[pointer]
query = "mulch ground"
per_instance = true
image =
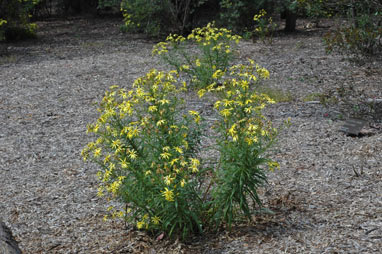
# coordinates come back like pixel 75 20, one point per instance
pixel 326 198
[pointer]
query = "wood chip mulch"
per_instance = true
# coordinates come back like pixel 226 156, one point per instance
pixel 326 198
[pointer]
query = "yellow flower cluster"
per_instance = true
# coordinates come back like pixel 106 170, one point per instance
pixel 261 14
pixel 2 22
pixel 208 34
pixel 219 38
pixel 250 71
pixel 250 125
pixel 238 76
pixel 145 222
pixel 168 194
pixel 160 48
pixel 240 105
pixel 132 126
pixel 127 18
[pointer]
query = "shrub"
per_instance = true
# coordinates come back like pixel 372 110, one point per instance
pixel 14 16
pixel 362 39
pixel 237 15
pixel 264 27
pixel 215 49
pixel 149 150
pixel 158 17
pixel 102 4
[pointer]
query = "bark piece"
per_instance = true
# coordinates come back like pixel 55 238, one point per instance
pixel 8 244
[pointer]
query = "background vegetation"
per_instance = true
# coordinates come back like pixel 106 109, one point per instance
pixel 359 34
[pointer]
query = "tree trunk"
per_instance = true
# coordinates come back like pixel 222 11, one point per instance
pixel 290 21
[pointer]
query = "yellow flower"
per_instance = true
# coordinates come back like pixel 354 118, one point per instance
pixel 132 154
pixel 164 101
pixel 111 166
pixel 197 62
pixel 232 130
pixel 201 93
pixel 185 143
pixel 217 74
pixel 194 161
pixel 106 175
pixel 227 102
pixel 194 165
pixel 196 116
pixel 100 191
pixel 97 152
pixel 115 186
pixel 252 127
pixel 248 109
pixel 264 73
pixel 140 224
pixel 225 112
pixel 174 161
pixel 124 163
pixel 165 155
pixel 91 145
pixel 99 140
pixel 85 153
pixel 183 163
pixel 182 182
pixel 194 169
pixel 120 214
pixel 217 105
pixel 161 122
pixel 116 143
pixel 153 108
pixel 180 38
pixel 244 84
pixel 133 132
pixel 168 180
pixel 211 87
pixel 168 194
pixel 273 164
pixel 155 220
pixel 178 149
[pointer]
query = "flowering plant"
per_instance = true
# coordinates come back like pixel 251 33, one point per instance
pixel 2 22
pixel 244 135
pixel 215 48
pixel 264 27
pixel 147 154
pixel 150 154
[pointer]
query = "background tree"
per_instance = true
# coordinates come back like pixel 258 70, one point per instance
pixel 15 19
pixel 238 15
pixel 159 17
